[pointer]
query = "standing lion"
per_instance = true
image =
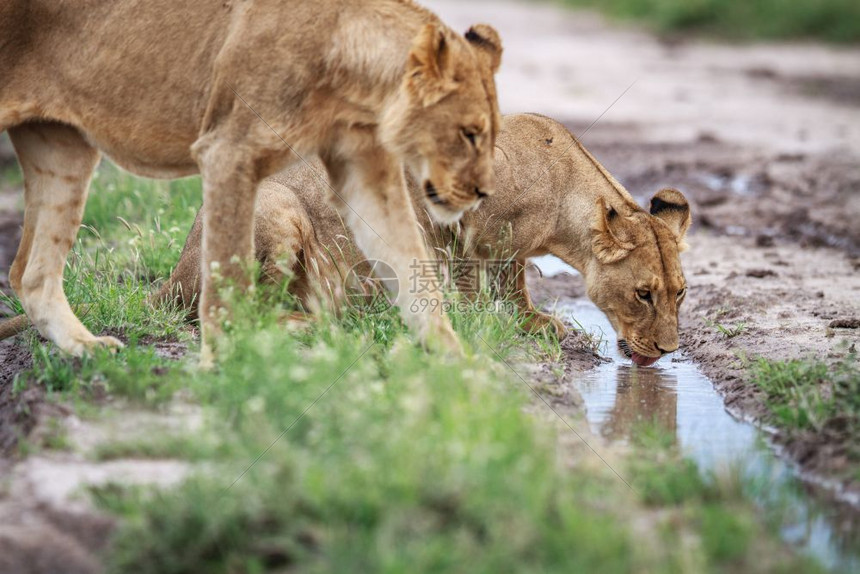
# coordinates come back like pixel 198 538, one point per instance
pixel 236 91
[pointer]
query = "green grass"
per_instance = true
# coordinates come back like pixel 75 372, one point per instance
pixel 344 447
pixel 394 460
pixel 149 219
pixel 136 372
pixel 108 279
pixel 828 20
pixel 811 396
pixel 731 534
pixel 406 464
pixel 161 446
pixel 727 331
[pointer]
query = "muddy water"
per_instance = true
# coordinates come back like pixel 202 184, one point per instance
pixel 619 397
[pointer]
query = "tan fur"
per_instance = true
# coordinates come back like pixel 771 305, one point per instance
pixel 237 91
pixel 13 326
pixel 565 212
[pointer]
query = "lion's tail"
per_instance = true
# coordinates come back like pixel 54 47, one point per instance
pixel 13 325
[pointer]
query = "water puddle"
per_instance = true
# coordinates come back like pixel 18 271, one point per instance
pixel 619 397
pixel 739 184
pixel 551 266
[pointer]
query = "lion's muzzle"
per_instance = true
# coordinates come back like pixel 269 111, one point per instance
pixel 433 194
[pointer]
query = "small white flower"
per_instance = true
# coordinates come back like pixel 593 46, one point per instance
pixel 325 353
pixel 255 405
pixel 299 373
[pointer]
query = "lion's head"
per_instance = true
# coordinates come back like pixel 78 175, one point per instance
pixel 635 276
pixel 445 119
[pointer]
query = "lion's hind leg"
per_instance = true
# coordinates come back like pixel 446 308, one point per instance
pixel 288 250
pixel 57 165
pixel 533 320
pixel 283 236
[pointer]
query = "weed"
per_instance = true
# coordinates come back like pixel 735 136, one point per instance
pixel 192 447
pixel 731 533
pixel 808 395
pixel 136 372
pixel 727 331
pixel 55 436
pixel 391 461
pixel 595 341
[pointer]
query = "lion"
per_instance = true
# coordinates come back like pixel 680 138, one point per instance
pixel 552 197
pixel 237 91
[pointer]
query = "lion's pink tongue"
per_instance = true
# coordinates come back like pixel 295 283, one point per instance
pixel 642 360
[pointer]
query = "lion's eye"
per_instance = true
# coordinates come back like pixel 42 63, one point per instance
pixel 469 134
pixel 682 292
pixel 643 294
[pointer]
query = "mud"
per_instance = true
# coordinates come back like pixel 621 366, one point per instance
pixel 767 195
pixel 786 315
pixel 48 523
pixel 618 398
pixel 775 247
pixel 18 411
pixel 783 314
pixel 840 89
pixel 40 540
pixel 765 142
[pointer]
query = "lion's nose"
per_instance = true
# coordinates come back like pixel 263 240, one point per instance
pixel 666 351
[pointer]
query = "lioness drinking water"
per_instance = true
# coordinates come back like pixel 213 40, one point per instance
pixel 576 211
pixel 552 197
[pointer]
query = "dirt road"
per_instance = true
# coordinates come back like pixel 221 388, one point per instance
pixel 764 141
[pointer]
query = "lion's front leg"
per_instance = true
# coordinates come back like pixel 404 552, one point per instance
pixel 229 192
pixel 533 320
pixel 376 207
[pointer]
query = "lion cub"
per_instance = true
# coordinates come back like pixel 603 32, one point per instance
pixel 576 211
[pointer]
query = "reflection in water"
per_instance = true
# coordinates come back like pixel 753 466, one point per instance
pixel 619 397
pixel 642 395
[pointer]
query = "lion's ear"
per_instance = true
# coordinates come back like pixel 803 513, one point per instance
pixel 487 40
pixel 430 55
pixel 429 64
pixel 611 240
pixel 671 206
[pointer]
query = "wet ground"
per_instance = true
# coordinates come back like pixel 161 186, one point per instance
pixel 764 140
pixel 620 398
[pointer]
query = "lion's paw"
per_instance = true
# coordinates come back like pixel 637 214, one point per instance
pixel 444 340
pixel 82 344
pixel 537 322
